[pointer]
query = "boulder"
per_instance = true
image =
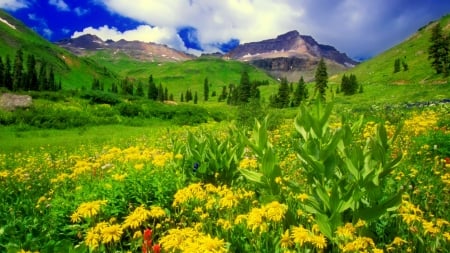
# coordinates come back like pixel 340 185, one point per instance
pixel 11 102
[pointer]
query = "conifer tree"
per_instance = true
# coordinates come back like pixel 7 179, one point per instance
pixel 321 78
pixel 2 70
pixel 300 92
pixel 18 71
pixel 7 74
pixel 51 80
pixel 397 65
pixel 166 93
pixel 160 93
pixel 244 88
pixel 32 79
pixel 42 76
pixel 140 90
pixel 195 98
pixel 439 50
pixel 182 98
pixel 224 94
pixel 206 89
pixel 281 100
pixel 152 90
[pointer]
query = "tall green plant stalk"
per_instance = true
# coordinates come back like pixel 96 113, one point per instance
pixel 347 180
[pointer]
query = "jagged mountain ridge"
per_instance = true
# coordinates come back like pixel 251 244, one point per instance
pixel 89 44
pixel 291 55
pixel 290 44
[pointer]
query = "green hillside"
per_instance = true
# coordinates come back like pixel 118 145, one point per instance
pixel 418 83
pixel 180 76
pixel 73 71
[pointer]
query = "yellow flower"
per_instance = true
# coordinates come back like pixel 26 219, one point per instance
pixel 136 218
pixel 275 211
pixel 286 241
pixel 302 197
pixel 224 223
pixel 137 235
pixel 347 231
pixel 139 166
pixel 319 241
pixel 300 235
pixel 157 212
pixel 88 210
pixel 111 233
pixel 178 156
pixel 398 241
pixel 119 177
pixel 92 239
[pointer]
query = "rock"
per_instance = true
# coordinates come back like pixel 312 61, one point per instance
pixel 11 102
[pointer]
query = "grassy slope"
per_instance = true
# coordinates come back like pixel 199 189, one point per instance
pixel 180 76
pixel 74 72
pixel 382 86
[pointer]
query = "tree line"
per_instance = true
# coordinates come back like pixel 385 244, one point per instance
pixel 27 75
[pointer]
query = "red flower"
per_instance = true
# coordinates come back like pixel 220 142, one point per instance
pixel 156 248
pixel 147 234
pixel 447 160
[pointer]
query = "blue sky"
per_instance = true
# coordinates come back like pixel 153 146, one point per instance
pixel 357 27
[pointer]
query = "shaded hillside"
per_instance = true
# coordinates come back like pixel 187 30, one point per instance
pixel 73 71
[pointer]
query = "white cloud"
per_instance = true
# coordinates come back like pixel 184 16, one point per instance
pixel 13 4
pixel 353 26
pixel 144 33
pixel 59 4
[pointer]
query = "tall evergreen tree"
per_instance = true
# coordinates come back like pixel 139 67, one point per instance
pixel 140 90
pixel 281 100
pixel 195 98
pixel 18 71
pixel 224 94
pixel 152 90
pixel 42 76
pixel 321 78
pixel 7 74
pixel 300 92
pixel 160 93
pixel 439 50
pixel 166 93
pixel 51 80
pixel 2 72
pixel 244 88
pixel 397 65
pixel 206 89
pixel 182 97
pixel 32 79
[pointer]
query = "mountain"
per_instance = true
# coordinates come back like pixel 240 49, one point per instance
pixel 291 55
pixel 74 72
pixel 90 44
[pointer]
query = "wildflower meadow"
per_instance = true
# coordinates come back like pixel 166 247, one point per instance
pixel 324 181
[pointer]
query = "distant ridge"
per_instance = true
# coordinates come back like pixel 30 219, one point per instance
pixel 89 44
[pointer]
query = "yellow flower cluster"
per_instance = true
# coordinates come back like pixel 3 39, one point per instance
pixel 192 241
pixel 421 122
pixel 104 233
pixel 303 236
pixel 87 210
pixel 248 163
pixel 210 195
pixel 258 219
pixel 350 241
pixel 413 217
pixel 141 214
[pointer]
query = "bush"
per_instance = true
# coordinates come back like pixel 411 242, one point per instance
pixel 100 97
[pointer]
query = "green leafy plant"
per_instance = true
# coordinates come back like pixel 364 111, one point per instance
pixel 348 180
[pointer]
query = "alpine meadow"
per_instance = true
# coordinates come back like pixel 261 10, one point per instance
pixel 136 147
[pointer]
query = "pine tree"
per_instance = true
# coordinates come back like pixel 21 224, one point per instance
pixel 18 71
pixel 7 74
pixel 224 94
pixel 439 50
pixel 397 65
pixel 182 98
pixel 152 90
pixel 281 100
pixel 244 88
pixel 2 70
pixel 321 78
pixel 160 93
pixel 140 90
pixel 31 76
pixel 51 80
pixel 114 88
pixel 166 94
pixel 206 89
pixel 300 92
pixel 42 76
pixel 195 98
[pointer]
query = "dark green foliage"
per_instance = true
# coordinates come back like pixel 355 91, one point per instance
pixel 140 90
pixel 281 100
pixel 349 84
pixel 397 65
pixel 127 87
pixel 206 89
pixel 321 78
pixel 405 65
pixel 96 84
pixel 7 74
pixel 2 70
pixel 195 98
pixel 160 93
pixel 100 97
pixel 244 89
pixel 224 94
pixel 300 92
pixel 114 88
pixel 152 90
pixel 129 109
pixel 18 71
pixel 32 79
pixel 182 98
pixel 439 50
